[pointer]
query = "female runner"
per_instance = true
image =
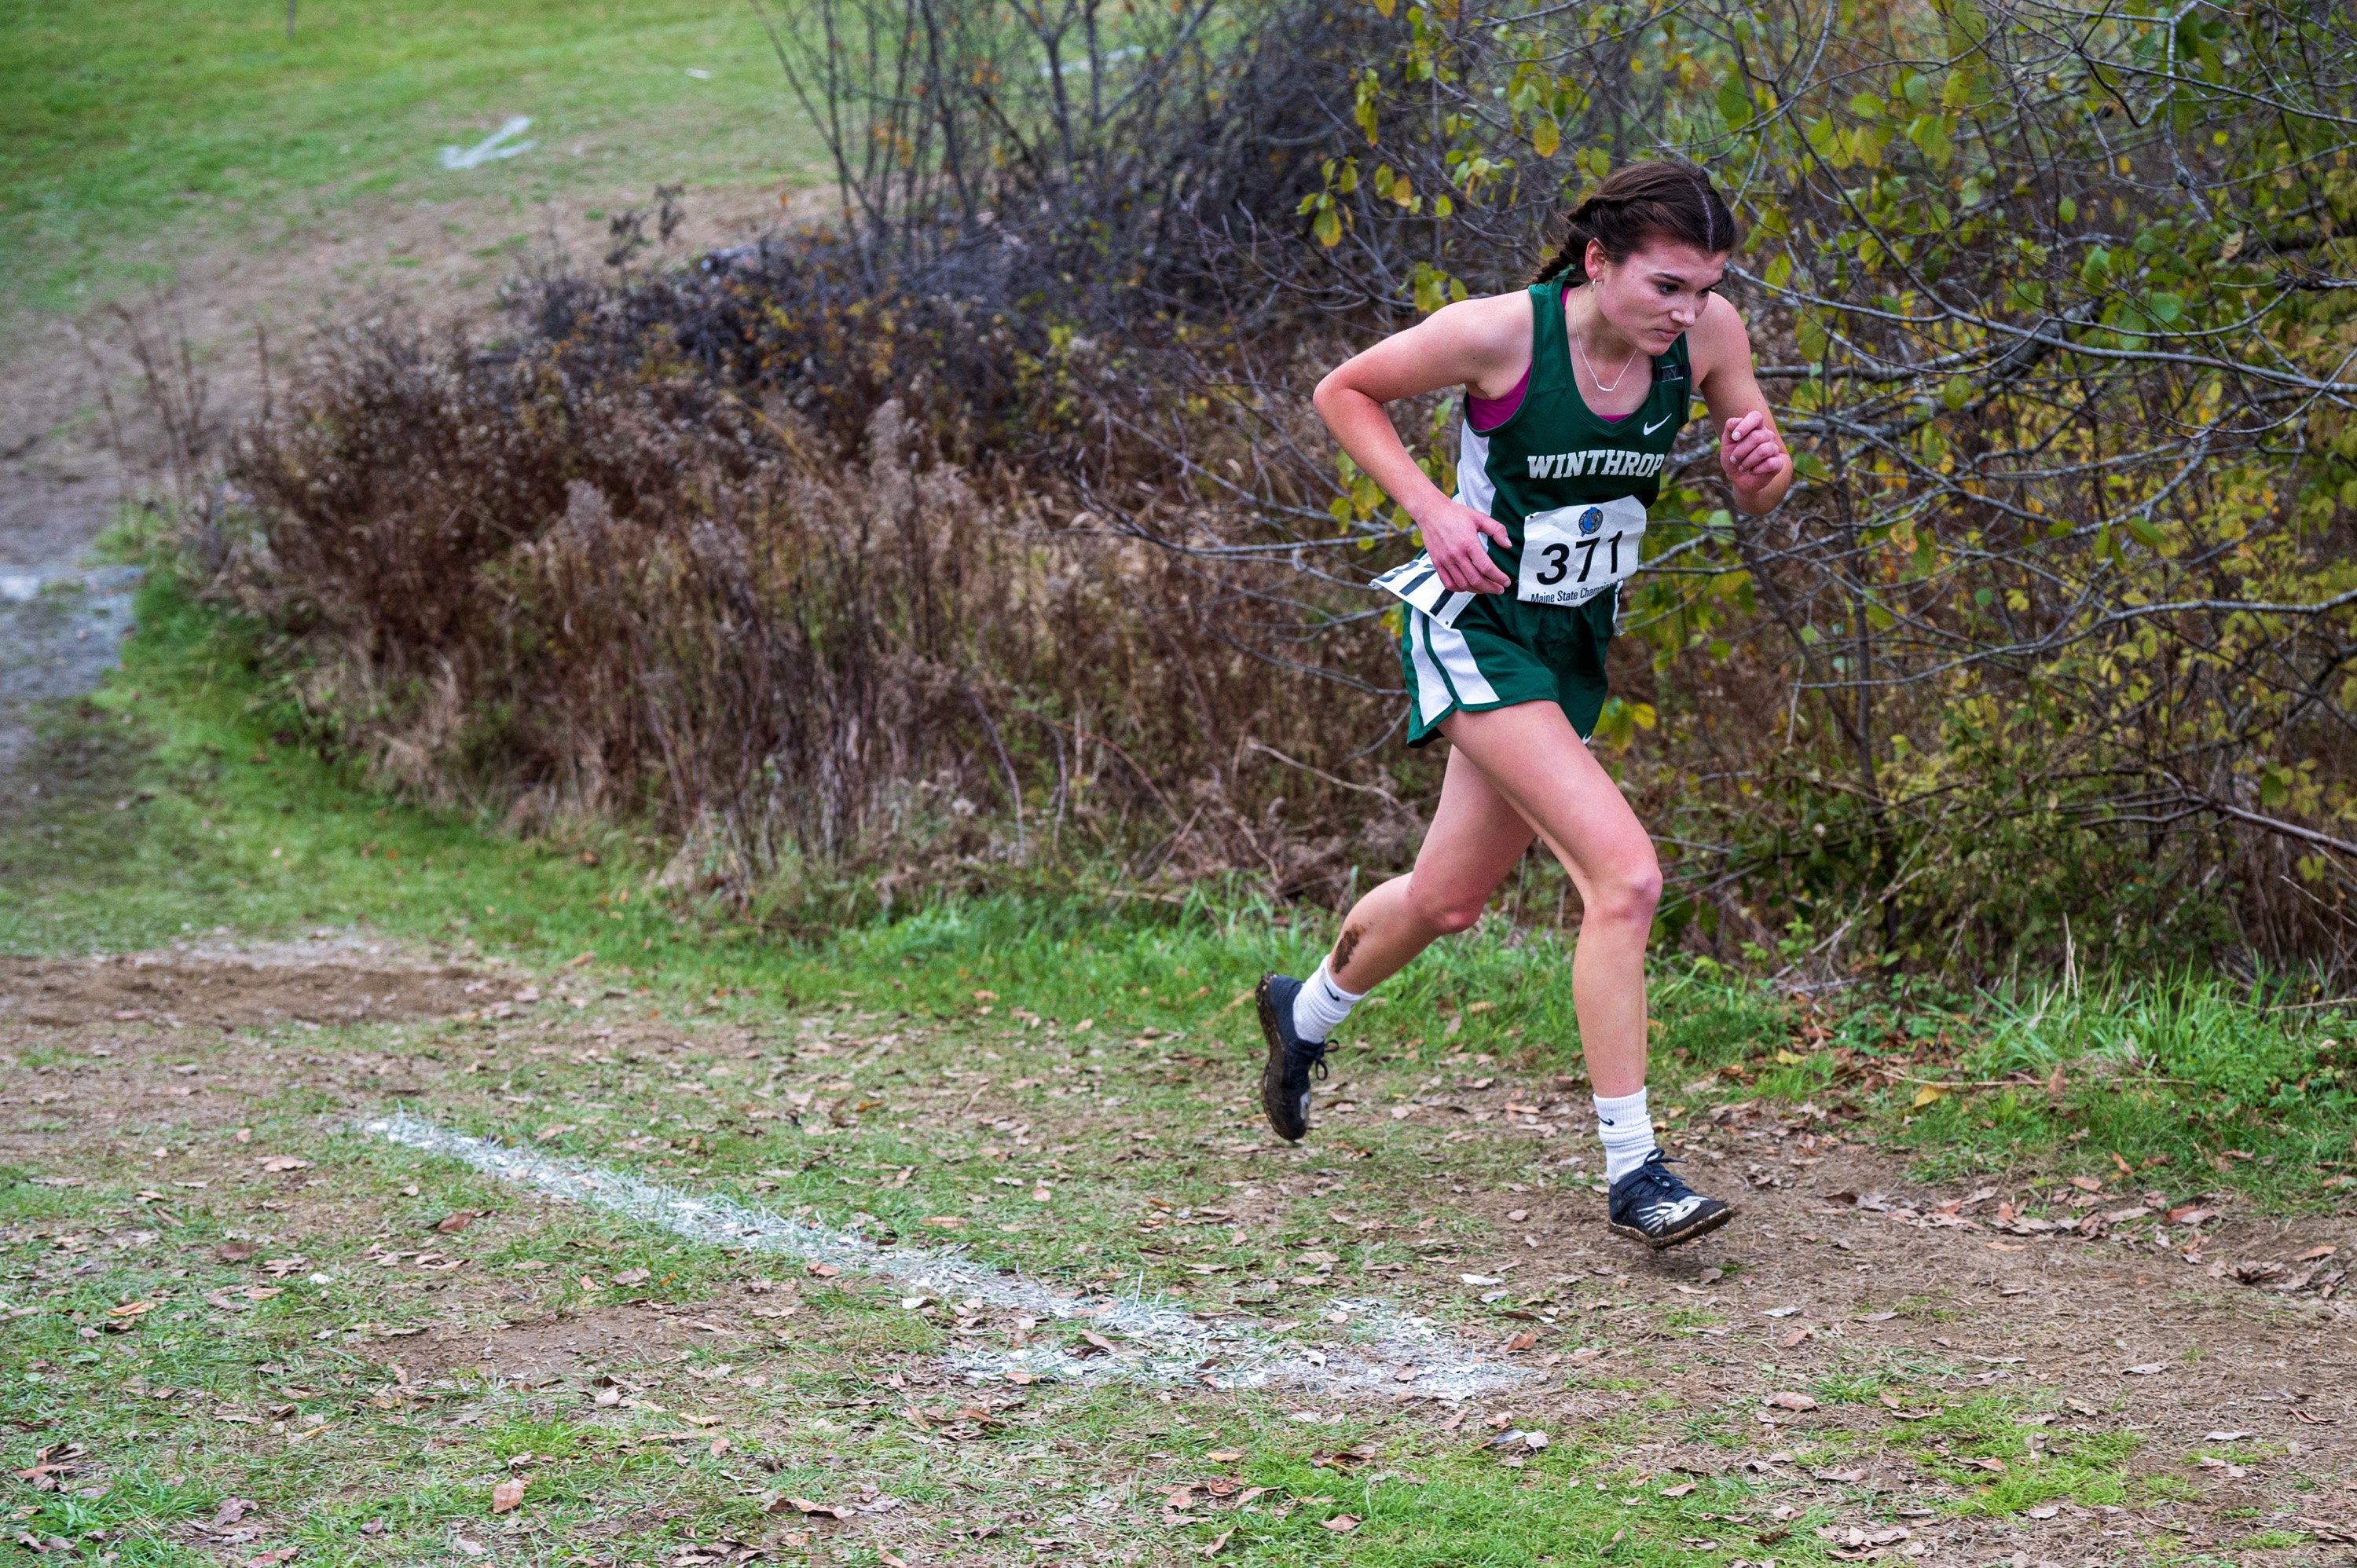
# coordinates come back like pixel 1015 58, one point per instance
pixel 1575 388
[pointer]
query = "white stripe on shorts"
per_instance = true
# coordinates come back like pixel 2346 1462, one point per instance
pixel 1431 691
pixel 1456 656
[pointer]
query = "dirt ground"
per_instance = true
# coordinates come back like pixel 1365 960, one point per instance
pixel 2243 1393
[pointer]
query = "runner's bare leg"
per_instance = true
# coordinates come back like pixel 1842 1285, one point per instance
pixel 1474 843
pixel 1511 770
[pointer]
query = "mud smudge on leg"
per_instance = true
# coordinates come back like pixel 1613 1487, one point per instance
pixel 1347 944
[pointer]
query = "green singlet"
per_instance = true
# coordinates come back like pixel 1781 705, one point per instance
pixel 1572 489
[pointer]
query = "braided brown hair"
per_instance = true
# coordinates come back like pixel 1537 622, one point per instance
pixel 1638 202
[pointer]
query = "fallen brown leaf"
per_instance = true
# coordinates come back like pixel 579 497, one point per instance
pixel 1789 1400
pixel 508 1494
pixel 452 1223
pixel 1343 1524
pixel 809 1509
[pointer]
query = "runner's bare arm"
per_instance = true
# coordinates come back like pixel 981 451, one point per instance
pixel 1484 344
pixel 1750 450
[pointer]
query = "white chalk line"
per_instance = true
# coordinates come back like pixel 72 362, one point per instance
pixel 1166 1342
pixel 490 148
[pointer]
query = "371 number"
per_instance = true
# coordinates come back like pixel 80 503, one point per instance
pixel 1558 559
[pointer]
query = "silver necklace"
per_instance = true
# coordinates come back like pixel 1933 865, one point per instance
pixel 1601 385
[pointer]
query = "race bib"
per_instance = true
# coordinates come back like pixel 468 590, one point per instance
pixel 1572 553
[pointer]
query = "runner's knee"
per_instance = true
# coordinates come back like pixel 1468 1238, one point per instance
pixel 1627 894
pixel 1444 910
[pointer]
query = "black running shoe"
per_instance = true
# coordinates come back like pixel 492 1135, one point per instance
pixel 1652 1205
pixel 1285 1077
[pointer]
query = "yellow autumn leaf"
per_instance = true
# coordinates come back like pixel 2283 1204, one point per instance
pixel 1789 1059
pixel 1932 1093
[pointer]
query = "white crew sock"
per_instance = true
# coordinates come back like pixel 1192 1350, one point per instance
pixel 1320 1005
pixel 1627 1130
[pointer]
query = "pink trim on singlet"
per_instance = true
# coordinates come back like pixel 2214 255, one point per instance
pixel 1489 413
pixel 1486 413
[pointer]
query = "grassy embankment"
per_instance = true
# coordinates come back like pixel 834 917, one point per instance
pixel 132 135
pixel 167 811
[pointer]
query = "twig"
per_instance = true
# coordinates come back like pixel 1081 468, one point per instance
pixel 1376 790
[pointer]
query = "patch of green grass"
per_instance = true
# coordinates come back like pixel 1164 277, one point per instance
pixel 2186 1080
pixel 127 129
pixel 137 1503
pixel 1708 1023
pixel 1928 1308
pixel 1852 1387
pixel 2035 1462
pixel 1719 1428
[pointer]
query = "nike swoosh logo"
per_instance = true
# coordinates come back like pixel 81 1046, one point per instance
pixel 1657 425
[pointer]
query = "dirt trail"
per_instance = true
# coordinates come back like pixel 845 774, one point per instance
pixel 1839 1268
